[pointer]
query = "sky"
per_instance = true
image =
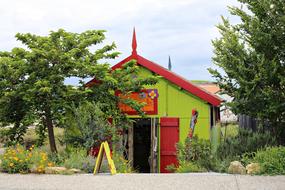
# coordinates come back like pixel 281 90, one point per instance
pixel 181 29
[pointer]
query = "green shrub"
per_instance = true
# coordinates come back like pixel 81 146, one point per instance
pixel 19 160
pixel 79 159
pixel 245 141
pixel 215 137
pixel 58 158
pixel 222 166
pixel 271 160
pixel 86 126
pixel 186 167
pixel 122 165
pixel 197 151
pixel 229 130
pixel 16 160
pixel 39 160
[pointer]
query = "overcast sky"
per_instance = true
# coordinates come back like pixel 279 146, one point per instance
pixel 182 29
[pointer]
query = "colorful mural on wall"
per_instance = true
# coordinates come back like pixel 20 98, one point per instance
pixel 148 97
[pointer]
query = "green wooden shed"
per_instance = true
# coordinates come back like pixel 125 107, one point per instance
pixel 169 106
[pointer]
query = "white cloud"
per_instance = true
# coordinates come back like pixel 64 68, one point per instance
pixel 182 29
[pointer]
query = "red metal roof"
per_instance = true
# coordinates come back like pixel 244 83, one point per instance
pixel 171 76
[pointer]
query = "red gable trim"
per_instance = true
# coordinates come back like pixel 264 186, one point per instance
pixel 172 77
pixel 180 81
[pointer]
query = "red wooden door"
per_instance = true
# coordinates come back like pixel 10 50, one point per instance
pixel 169 136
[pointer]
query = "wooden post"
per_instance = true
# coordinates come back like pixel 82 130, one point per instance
pixel 131 145
pixel 153 153
pixel 225 136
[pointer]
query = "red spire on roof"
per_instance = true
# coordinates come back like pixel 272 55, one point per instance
pixel 134 43
pixel 170 76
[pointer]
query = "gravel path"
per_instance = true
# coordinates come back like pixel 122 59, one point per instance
pixel 203 181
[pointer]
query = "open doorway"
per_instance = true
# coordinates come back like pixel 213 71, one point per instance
pixel 142 140
pixel 144 145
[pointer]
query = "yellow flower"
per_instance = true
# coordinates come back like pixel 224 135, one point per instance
pixel 11 164
pixel 16 158
pixel 50 164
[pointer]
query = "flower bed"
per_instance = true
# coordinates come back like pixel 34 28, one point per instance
pixel 19 160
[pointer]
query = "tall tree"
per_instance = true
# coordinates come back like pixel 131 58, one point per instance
pixel 251 55
pixel 14 109
pixel 36 77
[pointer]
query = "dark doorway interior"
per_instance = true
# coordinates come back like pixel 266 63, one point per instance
pixel 142 143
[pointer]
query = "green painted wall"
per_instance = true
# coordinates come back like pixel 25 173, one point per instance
pixel 175 102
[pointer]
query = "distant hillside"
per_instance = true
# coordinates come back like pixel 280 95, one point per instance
pixel 201 81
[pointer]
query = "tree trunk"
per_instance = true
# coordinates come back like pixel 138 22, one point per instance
pixel 49 125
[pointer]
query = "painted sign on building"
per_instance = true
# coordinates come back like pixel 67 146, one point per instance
pixel 148 97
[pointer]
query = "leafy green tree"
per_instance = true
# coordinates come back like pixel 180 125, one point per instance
pixel 86 126
pixel 14 109
pixel 98 117
pixel 41 69
pixel 251 58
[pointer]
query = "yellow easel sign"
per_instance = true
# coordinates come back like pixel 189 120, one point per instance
pixel 104 148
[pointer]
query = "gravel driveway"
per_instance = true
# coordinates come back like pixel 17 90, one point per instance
pixel 203 181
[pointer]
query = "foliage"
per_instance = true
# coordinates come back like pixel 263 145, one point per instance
pixel 39 160
pixel 32 137
pixel 3 135
pixel 195 152
pixel 222 165
pixel 230 130
pixel 124 80
pixel 215 137
pixel 32 84
pixel 271 159
pixel 13 108
pixel 41 131
pixel 251 57
pixel 245 141
pixel 19 160
pixel 122 165
pixel 78 158
pixel 58 158
pixel 186 167
pixel 16 160
pixel 87 126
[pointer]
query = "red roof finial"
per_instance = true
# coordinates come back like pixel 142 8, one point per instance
pixel 134 42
